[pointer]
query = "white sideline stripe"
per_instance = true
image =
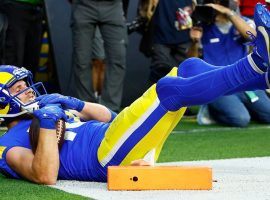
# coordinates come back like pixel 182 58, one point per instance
pixel 127 134
pixel 253 65
pixel 218 129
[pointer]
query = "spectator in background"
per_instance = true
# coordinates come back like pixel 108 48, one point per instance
pixel 165 29
pixel 109 17
pixel 24 32
pixel 143 23
pixel 171 26
pixel 223 44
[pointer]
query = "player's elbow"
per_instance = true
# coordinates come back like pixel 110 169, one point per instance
pixel 45 177
pixel 107 118
pixel 50 182
pixel 46 180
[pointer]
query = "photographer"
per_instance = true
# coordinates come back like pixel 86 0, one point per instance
pixel 222 33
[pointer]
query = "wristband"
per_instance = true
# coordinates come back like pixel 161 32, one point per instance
pixel 49 115
pixel 113 115
pixel 47 123
pixel 80 105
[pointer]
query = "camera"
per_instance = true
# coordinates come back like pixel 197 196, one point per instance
pixel 206 14
pixel 203 14
pixel 137 24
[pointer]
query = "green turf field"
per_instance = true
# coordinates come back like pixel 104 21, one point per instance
pixel 188 141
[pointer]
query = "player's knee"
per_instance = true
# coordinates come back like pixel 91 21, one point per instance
pixel 168 93
pixel 189 62
pixel 185 68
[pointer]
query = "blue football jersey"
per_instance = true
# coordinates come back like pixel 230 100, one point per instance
pixel 78 155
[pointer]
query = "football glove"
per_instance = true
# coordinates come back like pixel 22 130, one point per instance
pixel 65 101
pixel 49 115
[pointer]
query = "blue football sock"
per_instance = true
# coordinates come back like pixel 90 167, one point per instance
pixel 177 92
pixel 194 66
pixel 190 67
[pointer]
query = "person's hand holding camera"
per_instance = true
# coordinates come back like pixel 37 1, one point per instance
pixel 196 33
pixel 222 9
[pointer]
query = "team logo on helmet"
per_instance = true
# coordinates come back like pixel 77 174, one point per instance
pixel 20 72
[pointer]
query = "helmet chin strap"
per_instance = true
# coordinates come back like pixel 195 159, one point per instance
pixel 31 107
pixel 25 109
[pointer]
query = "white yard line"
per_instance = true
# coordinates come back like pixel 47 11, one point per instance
pixel 245 178
pixel 201 130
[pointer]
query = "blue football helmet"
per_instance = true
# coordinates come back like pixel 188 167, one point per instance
pixel 10 105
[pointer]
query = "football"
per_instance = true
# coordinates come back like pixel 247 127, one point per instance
pixel 34 133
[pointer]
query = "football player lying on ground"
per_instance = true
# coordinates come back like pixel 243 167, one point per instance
pixel 100 139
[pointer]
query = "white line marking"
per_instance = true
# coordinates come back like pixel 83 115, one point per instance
pixel 219 129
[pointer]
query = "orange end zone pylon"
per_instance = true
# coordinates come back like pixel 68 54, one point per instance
pixel 159 178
